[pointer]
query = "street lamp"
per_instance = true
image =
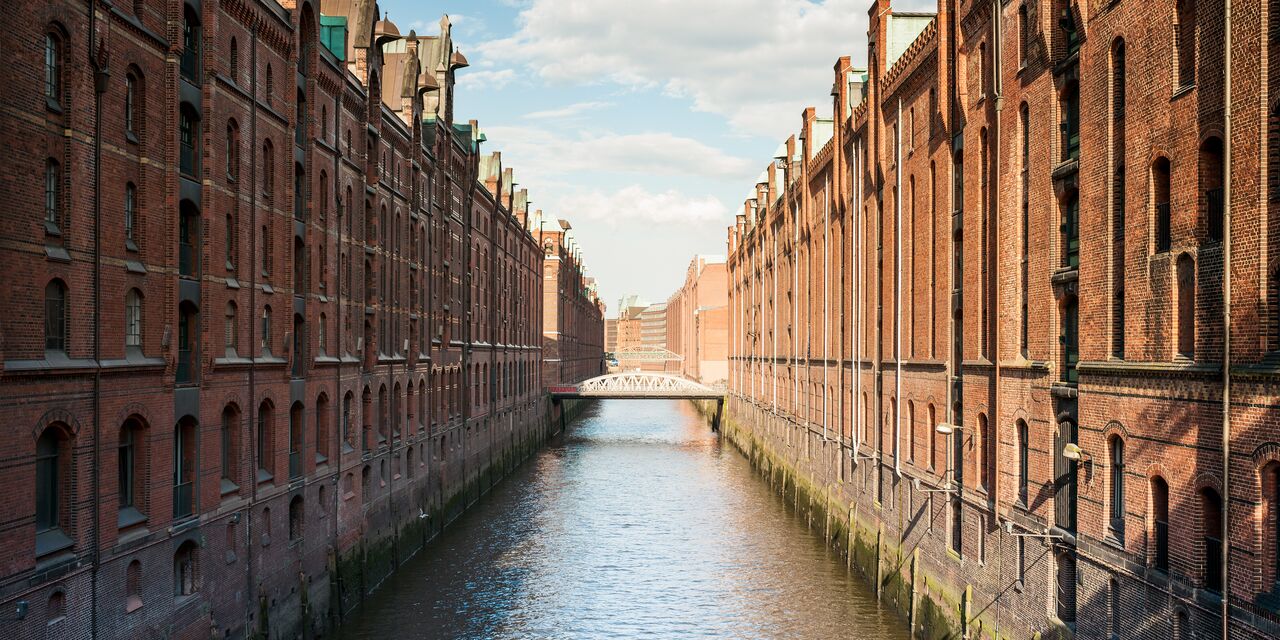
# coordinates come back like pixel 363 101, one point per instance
pixel 1009 526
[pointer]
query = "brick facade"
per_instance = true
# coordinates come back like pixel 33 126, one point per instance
pixel 573 325
pixel 698 322
pixel 273 316
pixel 1016 225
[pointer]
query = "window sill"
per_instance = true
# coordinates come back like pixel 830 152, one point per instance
pixel 264 476
pixel 1182 91
pixel 228 487
pixel 128 517
pixel 49 543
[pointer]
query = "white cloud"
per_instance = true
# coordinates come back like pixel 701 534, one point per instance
pixel 635 204
pixel 574 109
pixel 485 79
pixel 729 57
pixel 555 154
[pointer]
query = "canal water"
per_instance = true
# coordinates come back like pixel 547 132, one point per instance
pixel 637 523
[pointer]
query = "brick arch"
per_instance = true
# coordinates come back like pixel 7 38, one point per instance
pixel 1206 480
pixel 52 416
pixel 1265 453
pixel 1115 427
pixel 134 409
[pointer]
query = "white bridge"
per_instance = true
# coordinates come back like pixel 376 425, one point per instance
pixel 646 353
pixel 637 385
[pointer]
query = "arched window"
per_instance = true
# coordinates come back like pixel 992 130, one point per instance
pixel 296 425
pixel 1186 302
pixel 1211 525
pixel 133 587
pixel 299 346
pixel 230 449
pixel 1185 42
pixel 299 266
pixel 52 196
pixel 1160 188
pixel 185 582
pixel 295 518
pixel 383 419
pixel 56 610
pixel 130 216
pixel 188 136
pixel 1212 171
pixel 1160 524
pixel 188 331
pixel 266 441
pixel 986 454
pixel 130 456
pixel 1116 451
pixel 132 82
pixel 266 330
pixel 1024 463
pixel 53 68
pixel 184 468
pixel 930 429
pixel 366 419
pixel 233 151
pixel 1070 339
pixel 270 82
pixel 1116 607
pixel 268 169
pixel 52 460
pixel 55 317
pixel 911 431
pixel 190 62
pixel 299 193
pixel 348 438
pixel 1065 568
pixel 320 336
pixel 133 320
pixel 233 61
pixel 322 429
pixel 232 332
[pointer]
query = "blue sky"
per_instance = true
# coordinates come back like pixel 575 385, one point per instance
pixel 642 122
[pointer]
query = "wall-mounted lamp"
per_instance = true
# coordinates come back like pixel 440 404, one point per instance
pixel 947 429
pixel 1072 451
pixel 919 486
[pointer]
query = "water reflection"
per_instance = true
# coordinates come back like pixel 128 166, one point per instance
pixel 637 524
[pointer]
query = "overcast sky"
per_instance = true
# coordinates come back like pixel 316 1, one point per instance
pixel 642 122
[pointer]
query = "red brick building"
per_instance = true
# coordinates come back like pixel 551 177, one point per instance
pixel 572 312
pixel 698 322
pixel 1015 227
pixel 273 316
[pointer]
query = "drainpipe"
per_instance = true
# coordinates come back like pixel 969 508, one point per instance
pixel 897 295
pixel 774 273
pixel 101 73
pixel 826 296
pixel 253 310
pixel 1226 338
pixel 338 437
pixel 993 299
pixel 795 308
pixel 855 235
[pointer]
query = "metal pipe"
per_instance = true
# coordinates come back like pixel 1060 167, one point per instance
pixel 1226 323
pixel 897 293
pixel 101 73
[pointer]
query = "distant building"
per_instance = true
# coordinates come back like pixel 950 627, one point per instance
pixel 572 313
pixel 610 335
pixel 697 321
pixel 653 333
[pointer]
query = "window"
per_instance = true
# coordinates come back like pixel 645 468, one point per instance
pixel 322 429
pixel 56 610
pixel 266 251
pixel 127 478
pixel 299 346
pixel 347 437
pixel 1186 306
pixel 986 454
pixel 296 423
pixel 1211 181
pixel 233 151
pixel 51 450
pixel 233 64
pixel 1024 463
pixel 190 62
pixel 295 519
pixel 268 170
pixel 184 570
pixel 930 429
pixel 184 468
pixel 270 83
pixel 299 267
pixel 1070 106
pixel 53 69
pixel 1118 221
pixel 231 243
pixel 320 337
pixel 1160 187
pixel 188 239
pixel 188 329
pixel 130 101
pixel 230 449
pixel 1070 35
pixel 1022 36
pixel 1185 42
pixel 1116 450
pixel 1070 340
pixel 1211 523
pixel 1159 553
pixel 52 196
pixel 265 448
pixel 232 337
pixel 188 130
pixel 55 317
pixel 133 587
pixel 133 319
pixel 266 330
pixel 911 431
pixel 130 215
pixel 1065 566
pixel 1071 231
pixel 299 192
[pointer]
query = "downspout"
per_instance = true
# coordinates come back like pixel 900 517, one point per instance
pixel 826 296
pixel 774 273
pixel 101 73
pixel 855 239
pixel 339 436
pixel 992 286
pixel 897 294
pixel 1226 338
pixel 253 309
pixel 795 309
